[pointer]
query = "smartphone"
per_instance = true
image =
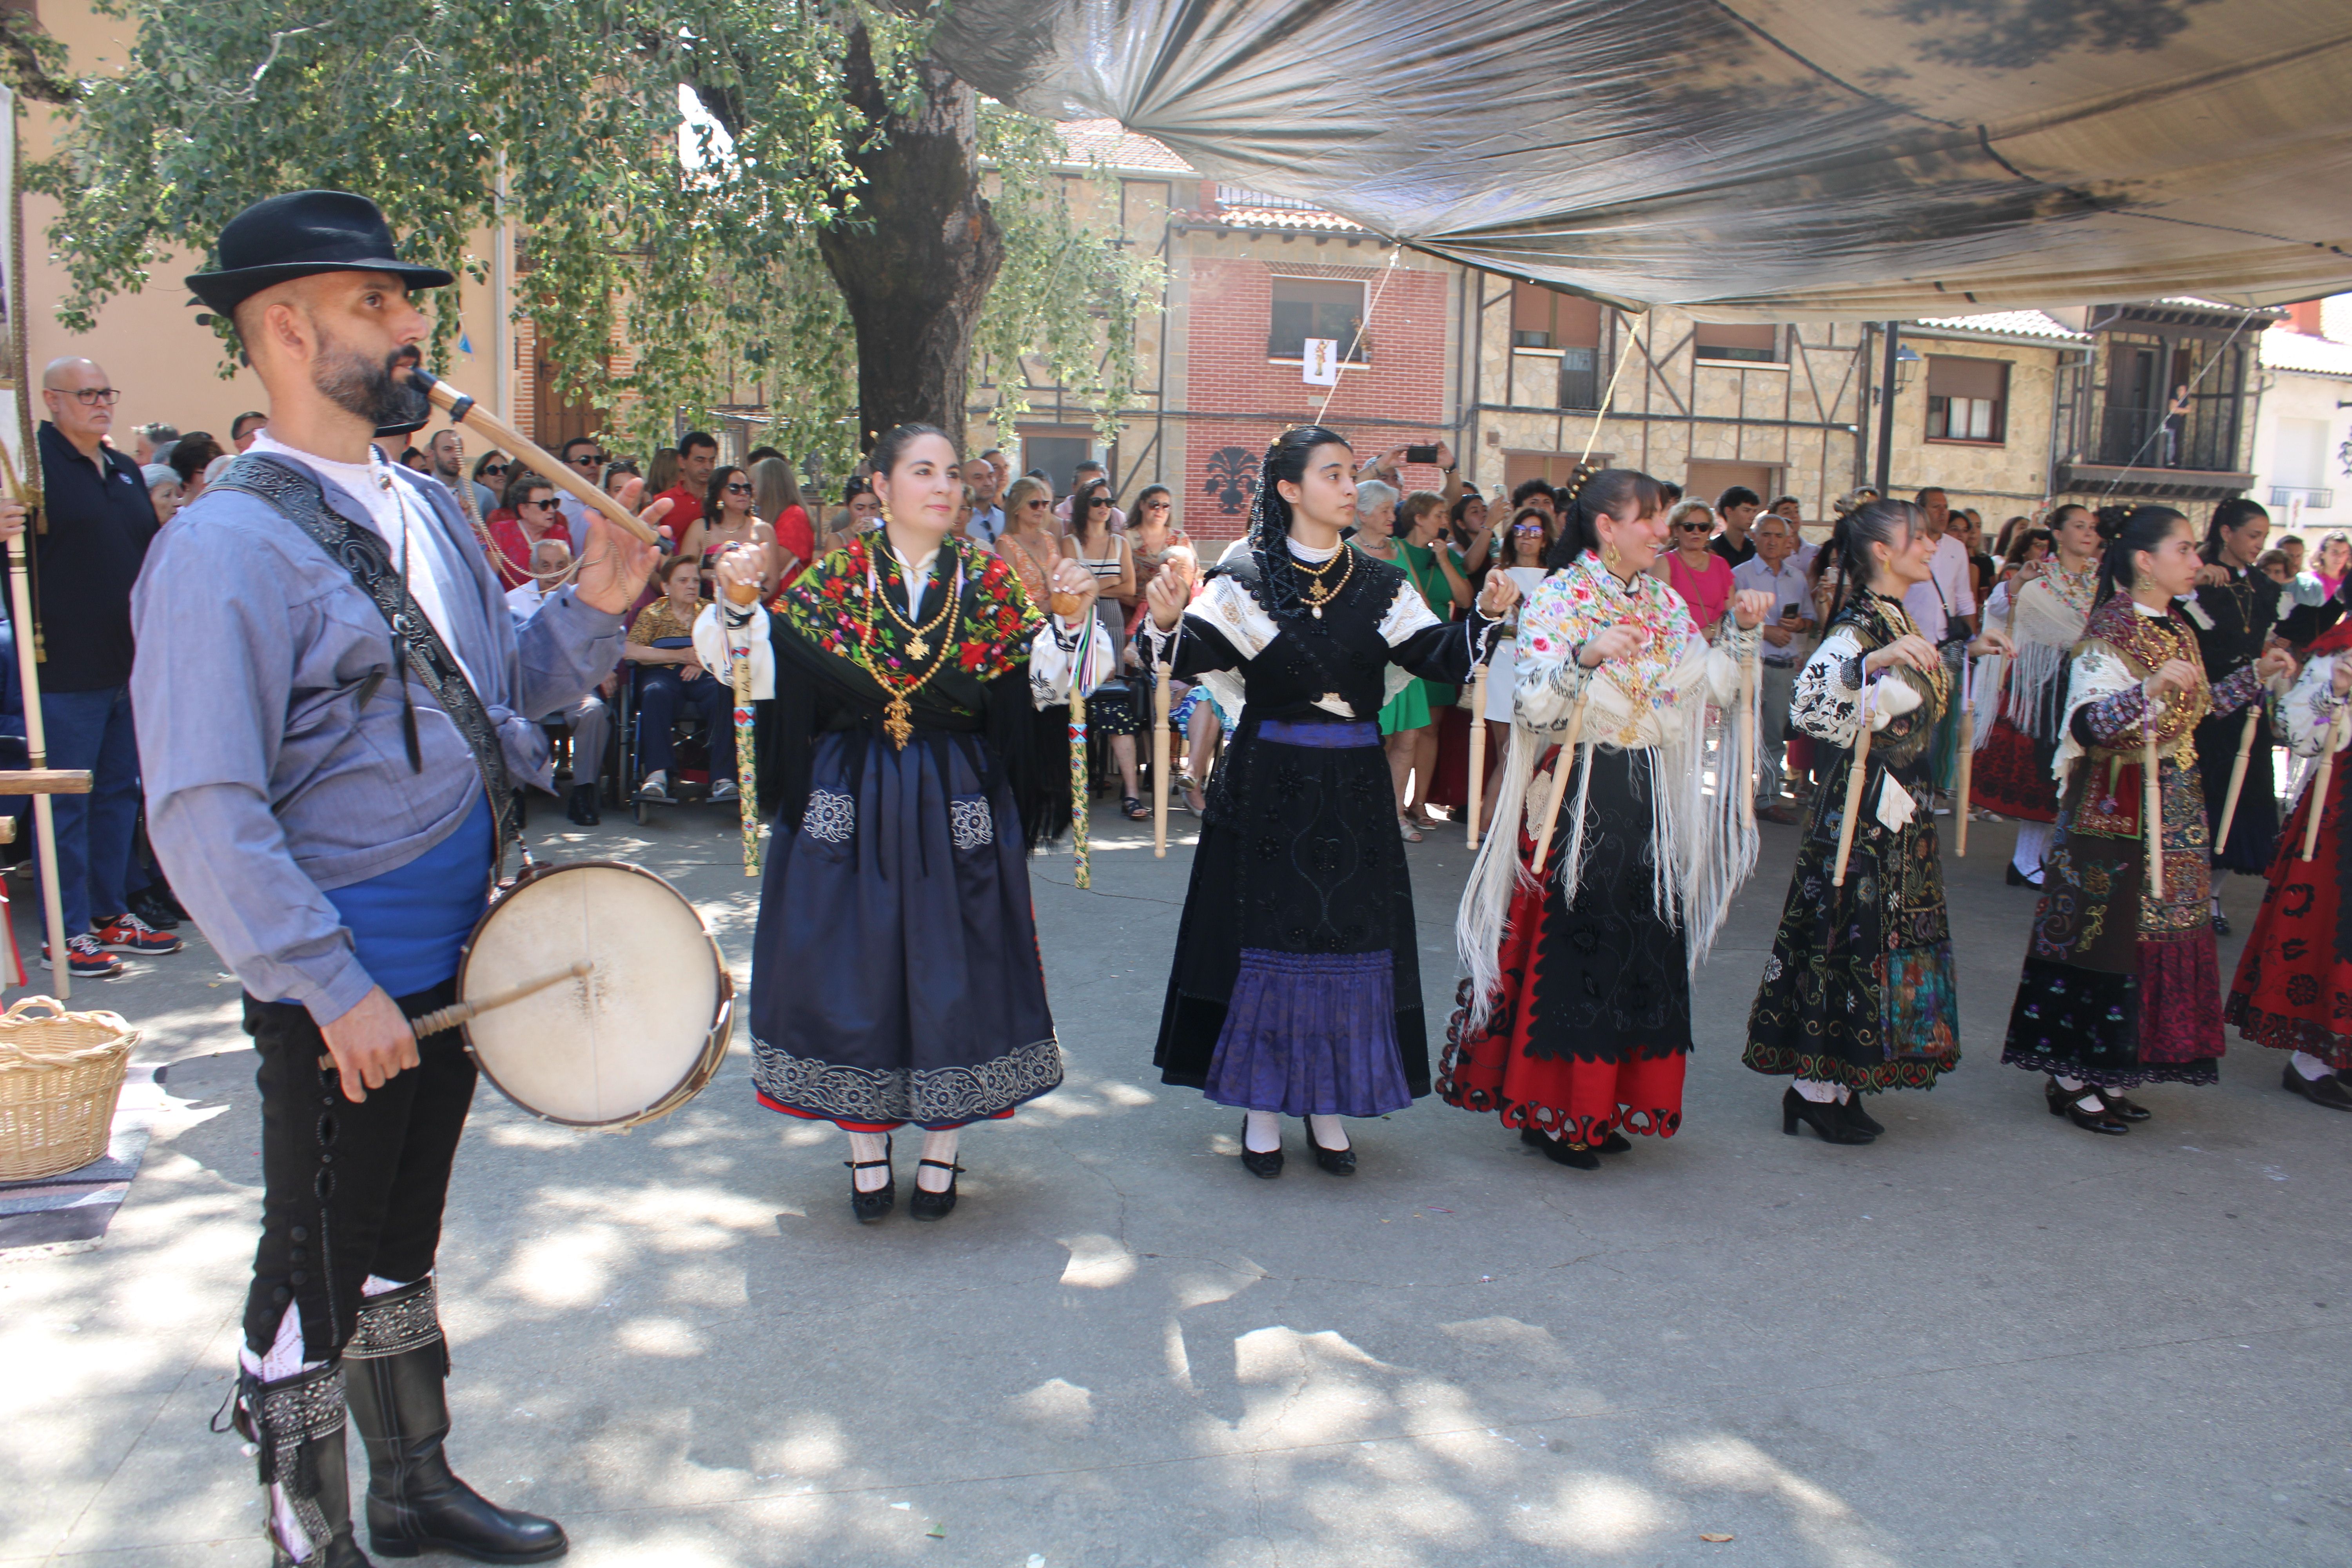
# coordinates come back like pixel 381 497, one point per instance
pixel 1421 454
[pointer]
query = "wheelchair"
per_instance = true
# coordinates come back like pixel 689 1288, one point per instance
pixel 691 746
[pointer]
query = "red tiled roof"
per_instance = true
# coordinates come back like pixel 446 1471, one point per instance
pixel 1270 217
pixel 1109 142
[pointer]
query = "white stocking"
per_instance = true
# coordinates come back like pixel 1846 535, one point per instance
pixel 865 1147
pixel 939 1146
pixel 2032 841
pixel 2311 1067
pixel 1261 1131
pixel 1818 1092
pixel 1327 1132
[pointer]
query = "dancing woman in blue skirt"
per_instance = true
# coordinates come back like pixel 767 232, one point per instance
pixel 895 974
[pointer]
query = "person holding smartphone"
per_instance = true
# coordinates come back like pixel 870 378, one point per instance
pixel 1773 570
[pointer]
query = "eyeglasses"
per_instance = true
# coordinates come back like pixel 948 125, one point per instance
pixel 89 396
pixel 590 460
pixel 550 504
pixel 1033 501
pixel 1696 527
pixel 1533 530
pixel 738 488
pixel 493 470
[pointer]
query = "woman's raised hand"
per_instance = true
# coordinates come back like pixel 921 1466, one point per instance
pixel 1750 606
pixel 1911 651
pixel 2172 677
pixel 1994 640
pixel 1501 593
pixel 1617 642
pixel 1169 592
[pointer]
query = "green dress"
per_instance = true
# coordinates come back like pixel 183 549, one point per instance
pixel 1415 705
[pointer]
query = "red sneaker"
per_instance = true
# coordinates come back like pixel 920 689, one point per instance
pixel 126 933
pixel 85 959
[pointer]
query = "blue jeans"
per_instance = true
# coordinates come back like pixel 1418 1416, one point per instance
pixel 93 729
pixel 660 696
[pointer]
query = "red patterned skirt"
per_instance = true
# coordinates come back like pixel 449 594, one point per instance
pixel 2292 991
pixel 2012 777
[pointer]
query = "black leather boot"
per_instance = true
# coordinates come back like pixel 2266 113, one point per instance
pixel 296 1423
pixel 582 806
pixel 394 1370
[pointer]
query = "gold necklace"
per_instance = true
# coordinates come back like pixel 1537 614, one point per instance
pixel 916 649
pixel 1315 594
pixel 897 707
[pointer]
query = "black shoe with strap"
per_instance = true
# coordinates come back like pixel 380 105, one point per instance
pixel 2067 1102
pixel 869 1207
pixel 396 1373
pixel 1559 1151
pixel 2121 1109
pixel 2330 1092
pixel 1266 1165
pixel 1825 1117
pixel 925 1204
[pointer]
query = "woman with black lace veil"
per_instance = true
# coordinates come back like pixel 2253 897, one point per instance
pixel 1857 997
pixel 1574 1026
pixel 1295 989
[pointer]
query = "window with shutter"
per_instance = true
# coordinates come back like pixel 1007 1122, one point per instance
pixel 1968 399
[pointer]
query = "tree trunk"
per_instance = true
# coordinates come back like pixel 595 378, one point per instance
pixel 915 260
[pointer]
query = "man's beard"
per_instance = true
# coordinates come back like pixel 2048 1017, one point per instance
pixel 366 388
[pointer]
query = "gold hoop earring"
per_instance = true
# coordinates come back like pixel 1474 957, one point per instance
pixel 1609 556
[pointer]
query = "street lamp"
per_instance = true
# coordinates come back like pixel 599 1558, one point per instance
pixel 1906 365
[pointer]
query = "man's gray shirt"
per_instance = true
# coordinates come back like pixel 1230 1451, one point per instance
pixel 267 779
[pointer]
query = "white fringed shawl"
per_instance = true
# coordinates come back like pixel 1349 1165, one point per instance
pixel 2045 623
pixel 1671 706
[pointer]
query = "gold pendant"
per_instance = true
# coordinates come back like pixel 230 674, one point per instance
pixel 897 722
pixel 917 649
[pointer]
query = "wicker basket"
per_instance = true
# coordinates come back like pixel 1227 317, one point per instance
pixel 60 1075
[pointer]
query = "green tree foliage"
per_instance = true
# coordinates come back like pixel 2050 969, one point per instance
pixel 667 162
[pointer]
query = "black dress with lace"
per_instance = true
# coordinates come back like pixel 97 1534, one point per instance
pixel 1297 980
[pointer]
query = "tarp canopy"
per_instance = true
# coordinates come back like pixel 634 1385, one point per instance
pixel 1759 159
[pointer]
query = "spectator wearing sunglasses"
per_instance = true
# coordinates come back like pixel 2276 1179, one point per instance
pixel 728 519
pixel 586 457
pixel 491 471
pixel 529 516
pixel 1694 571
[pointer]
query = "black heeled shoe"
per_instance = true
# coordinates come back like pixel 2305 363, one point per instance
pixel 1826 1119
pixel 1267 1165
pixel 1559 1151
pixel 867 1207
pixel 2220 923
pixel 2122 1109
pixel 1856 1117
pixel 1615 1143
pixel 1339 1162
pixel 925 1204
pixel 2062 1102
pixel 2017 878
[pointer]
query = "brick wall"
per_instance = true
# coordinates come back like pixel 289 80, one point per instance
pixel 1238 402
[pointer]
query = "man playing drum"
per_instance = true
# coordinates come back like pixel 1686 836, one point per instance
pixel 335 711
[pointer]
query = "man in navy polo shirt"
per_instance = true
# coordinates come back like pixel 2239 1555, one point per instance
pixel 99 522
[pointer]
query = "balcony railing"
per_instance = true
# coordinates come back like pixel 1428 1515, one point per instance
pixel 2287 495
pixel 2204 438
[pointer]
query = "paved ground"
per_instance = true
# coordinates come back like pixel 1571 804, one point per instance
pixel 1987 1339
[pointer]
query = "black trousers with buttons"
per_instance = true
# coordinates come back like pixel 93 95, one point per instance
pixel 348 1189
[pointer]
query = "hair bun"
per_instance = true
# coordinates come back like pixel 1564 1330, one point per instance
pixel 2111 521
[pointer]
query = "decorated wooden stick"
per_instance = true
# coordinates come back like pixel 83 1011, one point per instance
pixel 2151 802
pixel 1082 877
pixel 1968 757
pixel 2316 801
pixel 463 410
pixel 746 773
pixel 36 746
pixel 1750 669
pixel 2237 773
pixel 1477 748
pixel 1160 679
pixel 1559 771
pixel 1854 782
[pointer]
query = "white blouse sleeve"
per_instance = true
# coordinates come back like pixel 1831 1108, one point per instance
pixel 1547 682
pixel 1828 700
pixel 2311 704
pixel 1055 660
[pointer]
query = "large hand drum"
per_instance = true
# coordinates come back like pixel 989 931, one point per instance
pixel 633 1039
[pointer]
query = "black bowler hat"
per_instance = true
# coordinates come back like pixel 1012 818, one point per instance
pixel 301 232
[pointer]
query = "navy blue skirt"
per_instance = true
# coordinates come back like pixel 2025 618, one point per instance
pixel 895 974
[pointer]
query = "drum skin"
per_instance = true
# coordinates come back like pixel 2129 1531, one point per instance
pixel 631 1041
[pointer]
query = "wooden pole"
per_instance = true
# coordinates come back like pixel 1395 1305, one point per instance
pixel 36 746
pixel 2151 803
pixel 1967 755
pixel 2316 801
pixel 463 410
pixel 1477 748
pixel 1853 782
pixel 1559 771
pixel 1160 676
pixel 2237 773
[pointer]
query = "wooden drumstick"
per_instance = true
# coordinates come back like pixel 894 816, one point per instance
pixel 1853 782
pixel 2237 773
pixel 1559 771
pixel 1968 757
pixel 2316 802
pixel 463 410
pixel 1477 749
pixel 1160 679
pixel 457 1012
pixel 2151 802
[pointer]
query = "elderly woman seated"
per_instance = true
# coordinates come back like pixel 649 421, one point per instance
pixel 590 719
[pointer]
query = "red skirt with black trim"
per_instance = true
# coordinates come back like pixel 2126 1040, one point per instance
pixel 2010 776
pixel 2292 991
